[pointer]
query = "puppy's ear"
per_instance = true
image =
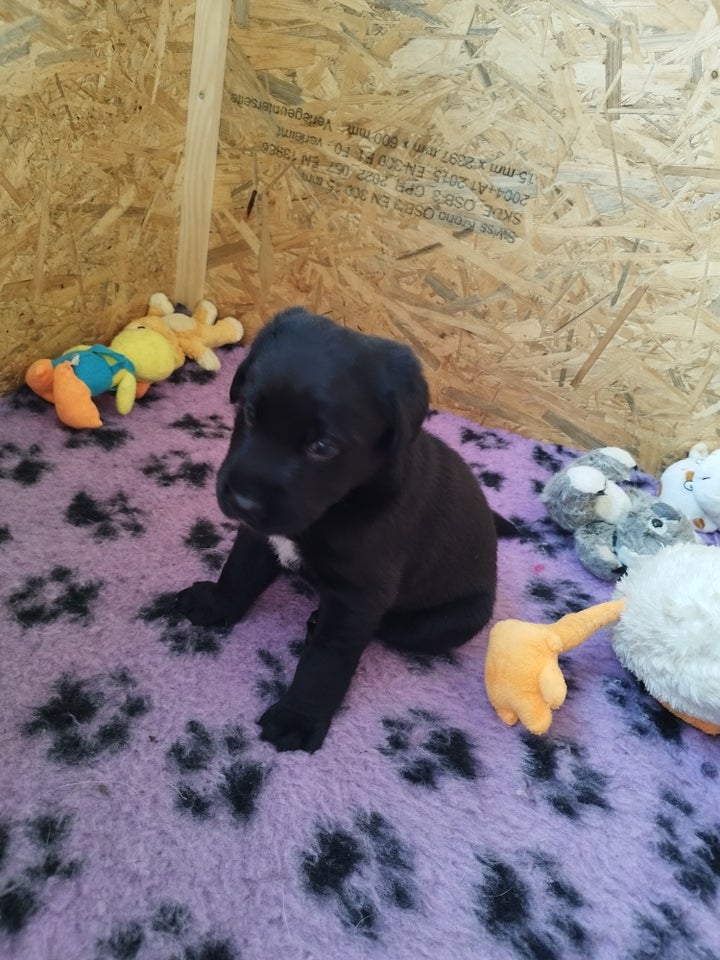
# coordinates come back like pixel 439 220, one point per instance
pixel 404 392
pixel 266 335
pixel 238 380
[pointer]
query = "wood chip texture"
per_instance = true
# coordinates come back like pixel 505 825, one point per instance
pixel 93 106
pixel 527 193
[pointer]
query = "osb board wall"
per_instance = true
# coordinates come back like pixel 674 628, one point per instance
pixel 93 97
pixel 526 192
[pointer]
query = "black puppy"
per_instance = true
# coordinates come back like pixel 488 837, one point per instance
pixel 328 467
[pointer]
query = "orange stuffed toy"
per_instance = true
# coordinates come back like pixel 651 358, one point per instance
pixel 666 618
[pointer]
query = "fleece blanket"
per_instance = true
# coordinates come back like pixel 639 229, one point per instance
pixel 141 818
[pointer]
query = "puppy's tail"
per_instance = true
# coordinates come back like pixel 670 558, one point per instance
pixel 505 528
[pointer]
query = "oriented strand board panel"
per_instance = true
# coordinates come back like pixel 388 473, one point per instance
pixel 526 192
pixel 93 102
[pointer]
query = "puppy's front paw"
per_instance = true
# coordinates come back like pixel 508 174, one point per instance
pixel 289 729
pixel 203 605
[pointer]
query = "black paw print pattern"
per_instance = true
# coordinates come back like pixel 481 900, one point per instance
pixel 107 519
pixel 22 465
pixel 191 373
pixel 33 860
pixel 216 772
pixel 86 718
pixel 211 541
pixel 106 439
pixel 25 399
pixel 425 750
pixel 529 906
pixel 569 783
pixel 552 459
pixel 277 672
pixel 177 633
pixel 176 466
pixel 274 683
pixel 643 715
pixel 365 872
pixel 167 932
pixel 691 849
pixel 490 479
pixel 558 597
pixel 212 427
pixel 58 594
pixel 423 663
pixel 661 930
pixel 709 770
pixel 545 536
pixel 483 439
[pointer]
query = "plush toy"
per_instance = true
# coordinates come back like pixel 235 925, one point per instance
pixel 666 613
pixel 146 350
pixel 136 357
pixel 649 525
pixel 587 489
pixel 692 486
pixel 611 526
pixel 196 335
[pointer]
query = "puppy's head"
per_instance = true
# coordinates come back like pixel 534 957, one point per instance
pixel 321 411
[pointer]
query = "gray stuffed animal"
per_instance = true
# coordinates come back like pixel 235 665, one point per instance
pixel 587 489
pixel 611 526
pixel 609 549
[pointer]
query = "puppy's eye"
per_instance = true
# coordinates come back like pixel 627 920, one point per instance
pixel 321 449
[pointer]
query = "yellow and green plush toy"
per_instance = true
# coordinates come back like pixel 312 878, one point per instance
pixel 135 358
pixel 145 351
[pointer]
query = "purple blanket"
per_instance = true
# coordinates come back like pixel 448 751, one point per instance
pixel 141 817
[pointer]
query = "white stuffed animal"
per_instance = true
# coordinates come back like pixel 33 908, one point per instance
pixel 692 486
pixel 666 616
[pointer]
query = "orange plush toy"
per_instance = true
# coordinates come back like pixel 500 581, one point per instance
pixel 146 350
pixel 666 618
pixel 196 335
pixel 522 676
pixel 136 357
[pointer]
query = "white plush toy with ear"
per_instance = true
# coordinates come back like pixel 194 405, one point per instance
pixel 692 486
pixel 666 616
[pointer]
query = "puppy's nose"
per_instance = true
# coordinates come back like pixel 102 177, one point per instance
pixel 249 509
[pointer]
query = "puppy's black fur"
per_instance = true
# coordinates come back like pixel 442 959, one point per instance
pixel 390 524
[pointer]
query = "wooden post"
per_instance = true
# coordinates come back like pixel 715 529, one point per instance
pixel 212 24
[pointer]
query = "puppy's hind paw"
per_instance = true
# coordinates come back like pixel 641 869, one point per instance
pixel 204 606
pixel 289 729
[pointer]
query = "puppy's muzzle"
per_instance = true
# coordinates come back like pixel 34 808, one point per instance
pixel 235 502
pixel 243 508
